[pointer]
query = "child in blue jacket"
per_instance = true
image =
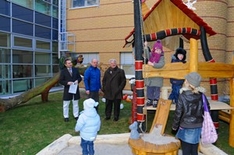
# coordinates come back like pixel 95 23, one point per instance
pixel 179 56
pixel 88 124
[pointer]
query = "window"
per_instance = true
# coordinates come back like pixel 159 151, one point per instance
pixel 84 3
pixel 23 42
pixel 42 32
pixel 4 40
pixel 87 57
pixel 127 63
pixel 4 7
pixel 22 13
pixel 20 56
pixel 22 27
pixel 42 58
pixel 5 23
pixel 25 3
pixel 42 45
pixel 5 56
pixel 43 7
pixel 42 19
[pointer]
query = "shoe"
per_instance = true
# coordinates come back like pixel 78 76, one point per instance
pixel 76 118
pixel 115 119
pixel 107 118
pixel 155 103
pixel 149 102
pixel 66 119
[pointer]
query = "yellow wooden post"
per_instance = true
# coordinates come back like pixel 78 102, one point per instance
pixel 231 123
pixel 193 55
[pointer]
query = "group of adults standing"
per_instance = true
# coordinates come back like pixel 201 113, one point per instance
pixel 111 85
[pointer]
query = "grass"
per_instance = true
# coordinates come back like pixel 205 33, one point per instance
pixel 27 129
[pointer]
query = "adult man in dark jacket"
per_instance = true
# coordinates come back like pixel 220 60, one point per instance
pixel 113 83
pixel 92 81
pixel 70 76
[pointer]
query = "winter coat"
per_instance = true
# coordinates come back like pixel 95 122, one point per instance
pixel 88 124
pixel 92 79
pixel 176 81
pixel 189 110
pixel 65 77
pixel 156 81
pixel 113 83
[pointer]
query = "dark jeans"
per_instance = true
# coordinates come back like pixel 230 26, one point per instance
pixel 95 96
pixel 87 147
pixel 189 149
pixel 153 92
pixel 108 109
pixel 174 96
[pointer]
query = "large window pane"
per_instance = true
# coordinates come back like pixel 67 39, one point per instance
pixel 5 56
pixel 43 70
pixel 19 71
pixel 21 85
pixel 55 23
pixel 55 11
pixel 55 35
pixel 42 58
pixel 43 32
pixel 55 59
pixel 22 13
pixel 43 45
pixel 55 47
pixel 55 68
pixel 5 8
pixel 43 7
pixel 40 81
pixel 22 27
pixel 4 40
pixel 25 3
pixel 5 87
pixel 55 2
pixel 5 71
pixel 20 56
pixel 5 23
pixel 43 19
pixel 22 42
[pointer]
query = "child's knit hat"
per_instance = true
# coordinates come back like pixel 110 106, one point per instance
pixel 89 103
pixel 180 51
pixel 158 44
pixel 194 79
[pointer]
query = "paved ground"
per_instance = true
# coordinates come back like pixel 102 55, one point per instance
pixel 100 149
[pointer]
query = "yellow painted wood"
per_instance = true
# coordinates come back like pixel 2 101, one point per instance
pixel 161 115
pixel 231 124
pixel 179 70
pixel 193 54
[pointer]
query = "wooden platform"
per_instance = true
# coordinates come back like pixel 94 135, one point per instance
pixel 214 105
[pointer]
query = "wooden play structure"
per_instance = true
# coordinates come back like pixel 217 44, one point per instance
pixel 179 22
pixel 141 147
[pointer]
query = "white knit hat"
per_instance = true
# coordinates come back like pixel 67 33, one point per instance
pixel 89 103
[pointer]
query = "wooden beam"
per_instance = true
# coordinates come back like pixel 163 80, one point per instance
pixel 179 70
pixel 193 55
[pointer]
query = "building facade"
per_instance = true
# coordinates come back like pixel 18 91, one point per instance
pixel 28 44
